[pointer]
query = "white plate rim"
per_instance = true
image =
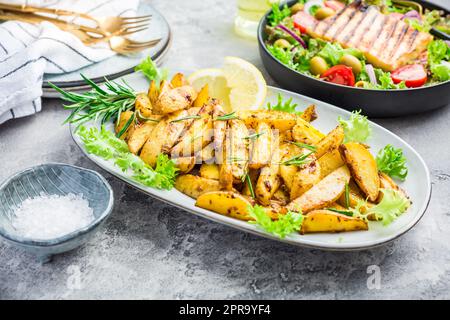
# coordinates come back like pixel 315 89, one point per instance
pixel 245 226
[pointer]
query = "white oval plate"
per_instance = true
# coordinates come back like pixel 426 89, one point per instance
pixel 417 185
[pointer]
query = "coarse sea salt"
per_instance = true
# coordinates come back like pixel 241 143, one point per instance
pixel 51 216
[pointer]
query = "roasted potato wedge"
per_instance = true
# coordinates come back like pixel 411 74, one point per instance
pixel 304 132
pixel 324 193
pixel 287 173
pixel 202 97
pixel 281 196
pixel 178 80
pixel 195 139
pixel 185 164
pixel 143 105
pixel 329 162
pixel 220 128
pixel 330 142
pixel 305 178
pixel 207 154
pixel 329 221
pixel 275 209
pixel 363 167
pixel 309 115
pixel 194 186
pixel 209 171
pixel 171 100
pixel 226 177
pixel 261 146
pixel 236 149
pixel 386 182
pixel 355 196
pixel 227 203
pixel 275 119
pixel 139 135
pixel 153 92
pixel 123 120
pixel 268 180
pixel 162 137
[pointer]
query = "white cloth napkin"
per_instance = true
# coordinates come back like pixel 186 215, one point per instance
pixel 28 51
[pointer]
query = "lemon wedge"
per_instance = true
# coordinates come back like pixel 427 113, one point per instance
pixel 239 84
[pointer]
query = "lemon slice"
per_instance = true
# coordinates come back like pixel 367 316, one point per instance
pixel 248 88
pixel 217 84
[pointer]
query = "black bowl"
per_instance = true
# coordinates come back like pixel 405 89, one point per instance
pixel 374 103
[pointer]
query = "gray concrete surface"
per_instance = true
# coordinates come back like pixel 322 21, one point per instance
pixel 151 250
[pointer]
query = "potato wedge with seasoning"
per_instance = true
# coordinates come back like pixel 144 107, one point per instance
pixel 275 119
pixel 304 132
pixel 185 164
pixel 281 196
pixel 194 186
pixel 220 128
pixel 207 154
pixel 330 142
pixel 171 100
pixel 309 114
pixel 123 120
pixel 226 177
pixel 386 182
pixel 195 138
pixel 261 142
pixel 305 178
pixel 269 180
pixel 210 171
pixel 287 173
pixel 153 92
pixel 143 105
pixel 162 137
pixel 236 149
pixel 227 203
pixel 324 193
pixel 202 97
pixel 139 136
pixel 329 162
pixel 363 167
pixel 178 80
pixel 329 221
pixel 253 174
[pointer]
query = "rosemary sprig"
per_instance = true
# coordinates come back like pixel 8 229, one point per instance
pixel 347 213
pixel 140 116
pixel 298 160
pixel 98 103
pixel 304 145
pixel 254 136
pixel 186 118
pixel 228 116
pixel 250 186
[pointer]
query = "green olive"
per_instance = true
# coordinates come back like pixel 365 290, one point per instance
pixel 318 66
pixel 360 84
pixel 282 43
pixel 296 8
pixel 351 61
pixel 323 13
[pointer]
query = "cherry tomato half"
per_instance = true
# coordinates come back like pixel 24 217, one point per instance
pixel 335 5
pixel 303 21
pixel 339 74
pixel 414 75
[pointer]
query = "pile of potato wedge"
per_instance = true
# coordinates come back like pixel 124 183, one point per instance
pixel 278 160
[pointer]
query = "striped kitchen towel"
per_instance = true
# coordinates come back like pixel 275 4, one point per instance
pixel 29 51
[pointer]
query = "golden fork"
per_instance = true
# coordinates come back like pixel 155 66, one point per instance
pixel 117 43
pixel 107 25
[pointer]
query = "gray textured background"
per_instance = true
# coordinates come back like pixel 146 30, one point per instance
pixel 151 250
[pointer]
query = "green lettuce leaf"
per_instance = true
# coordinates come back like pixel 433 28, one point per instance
pixel 285 225
pixel 285 106
pixel 277 15
pixel 357 128
pixel 392 205
pixel 151 71
pixel 106 145
pixel 438 57
pixel 333 52
pixel 392 162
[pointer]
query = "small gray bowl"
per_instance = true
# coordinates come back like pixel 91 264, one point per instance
pixel 54 179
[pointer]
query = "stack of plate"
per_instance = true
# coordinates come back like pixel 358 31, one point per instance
pixel 117 65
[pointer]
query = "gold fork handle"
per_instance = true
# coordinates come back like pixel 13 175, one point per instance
pixel 58 22
pixel 32 9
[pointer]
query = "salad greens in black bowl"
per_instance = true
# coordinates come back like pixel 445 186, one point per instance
pixel 386 57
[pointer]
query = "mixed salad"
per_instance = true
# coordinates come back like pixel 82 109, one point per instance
pixel 292 40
